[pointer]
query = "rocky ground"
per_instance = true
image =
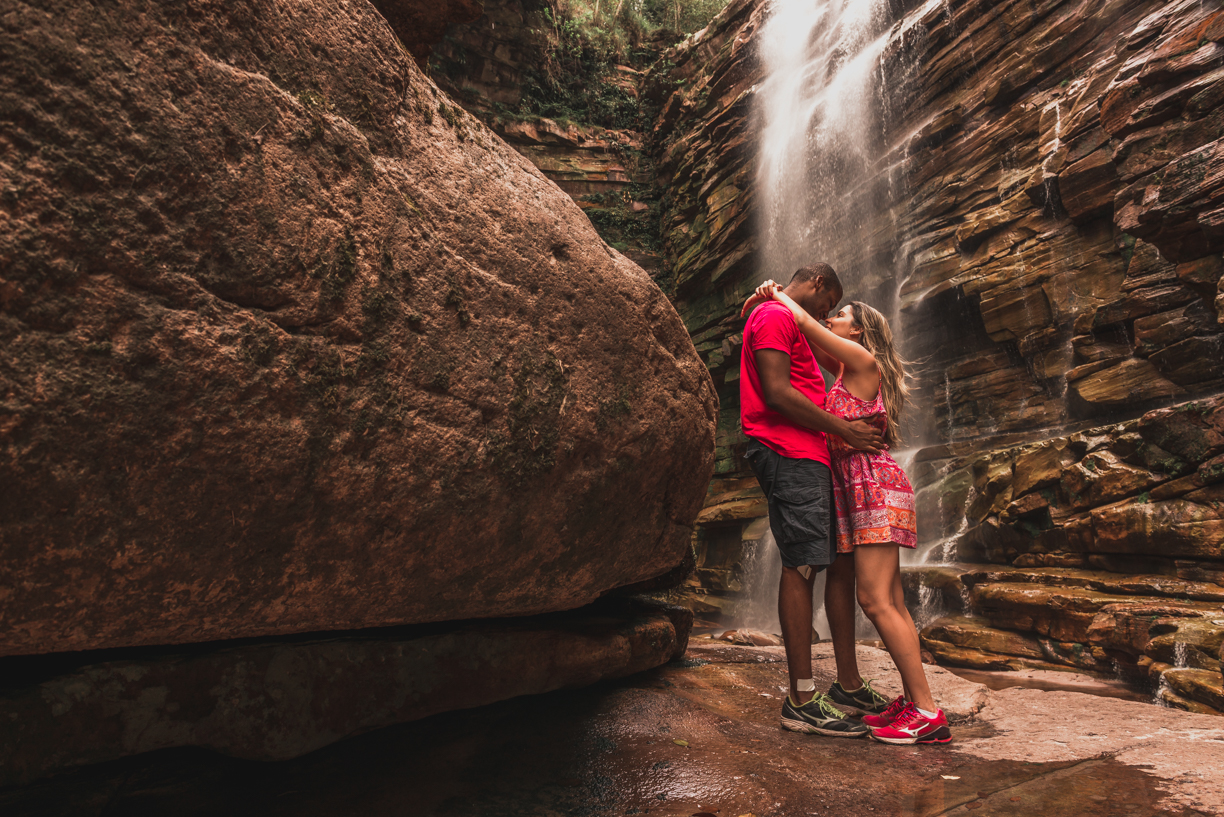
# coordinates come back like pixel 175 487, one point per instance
pixel 696 737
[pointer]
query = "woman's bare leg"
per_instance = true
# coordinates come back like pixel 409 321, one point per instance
pixel 877 570
pixel 899 602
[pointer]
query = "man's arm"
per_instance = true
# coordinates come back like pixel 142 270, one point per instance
pixel 774 367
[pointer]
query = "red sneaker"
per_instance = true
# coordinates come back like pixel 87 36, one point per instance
pixel 889 714
pixel 911 726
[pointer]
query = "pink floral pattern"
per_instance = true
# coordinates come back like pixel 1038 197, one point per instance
pixel 873 497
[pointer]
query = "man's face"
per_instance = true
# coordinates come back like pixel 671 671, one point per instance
pixel 824 301
pixel 818 299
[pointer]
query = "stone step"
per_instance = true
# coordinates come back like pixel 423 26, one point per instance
pixel 281 698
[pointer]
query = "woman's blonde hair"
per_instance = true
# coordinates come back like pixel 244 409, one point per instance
pixel 877 338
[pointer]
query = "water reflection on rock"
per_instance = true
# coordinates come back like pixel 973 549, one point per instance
pixel 698 736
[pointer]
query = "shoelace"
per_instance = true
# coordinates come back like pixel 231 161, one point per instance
pixel 829 709
pixel 895 707
pixel 870 690
pixel 908 714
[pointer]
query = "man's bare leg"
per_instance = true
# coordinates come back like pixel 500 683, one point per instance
pixel 795 616
pixel 839 603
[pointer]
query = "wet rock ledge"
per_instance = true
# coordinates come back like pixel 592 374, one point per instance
pixel 698 736
pixel 281 698
pixel 1100 551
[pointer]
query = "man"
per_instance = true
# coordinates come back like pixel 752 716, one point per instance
pixel 782 397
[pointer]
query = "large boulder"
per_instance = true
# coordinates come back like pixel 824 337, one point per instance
pixel 289 342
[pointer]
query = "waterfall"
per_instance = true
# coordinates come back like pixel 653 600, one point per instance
pixel 759 608
pixel 822 141
pixel 825 194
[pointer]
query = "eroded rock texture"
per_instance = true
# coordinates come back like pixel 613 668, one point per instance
pixel 1055 209
pixel 1100 551
pixel 281 699
pixel 1050 247
pixel 290 342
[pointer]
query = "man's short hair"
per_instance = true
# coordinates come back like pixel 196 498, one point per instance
pixel 819 270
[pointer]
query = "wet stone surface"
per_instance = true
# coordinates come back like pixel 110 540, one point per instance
pixel 695 737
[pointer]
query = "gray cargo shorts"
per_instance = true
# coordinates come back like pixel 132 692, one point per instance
pixel 801 513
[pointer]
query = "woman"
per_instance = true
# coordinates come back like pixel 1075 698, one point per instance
pixel 874 500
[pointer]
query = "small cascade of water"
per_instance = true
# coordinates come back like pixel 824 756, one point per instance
pixel 762 567
pixel 930 606
pixel 821 134
pixel 758 610
pixel 1054 147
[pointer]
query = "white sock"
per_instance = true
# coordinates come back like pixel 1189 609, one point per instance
pixel 805 685
pixel 925 714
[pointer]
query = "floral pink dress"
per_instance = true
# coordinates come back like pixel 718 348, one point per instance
pixel 873 497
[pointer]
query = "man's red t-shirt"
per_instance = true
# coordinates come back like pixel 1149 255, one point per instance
pixel 771 326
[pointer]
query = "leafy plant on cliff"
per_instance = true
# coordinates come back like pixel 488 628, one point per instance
pixel 620 225
pixel 578 79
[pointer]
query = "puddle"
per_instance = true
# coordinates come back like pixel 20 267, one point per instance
pixel 1087 788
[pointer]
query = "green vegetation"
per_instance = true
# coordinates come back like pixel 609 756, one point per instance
pixel 577 79
pixel 528 445
pixel 584 42
pixel 623 228
pixel 615 409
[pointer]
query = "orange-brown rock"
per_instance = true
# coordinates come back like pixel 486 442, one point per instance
pixel 280 698
pixel 289 342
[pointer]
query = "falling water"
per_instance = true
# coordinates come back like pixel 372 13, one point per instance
pixel 821 138
pixel 759 608
pixel 825 186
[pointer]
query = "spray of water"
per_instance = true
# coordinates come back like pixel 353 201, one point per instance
pixel 759 608
pixel 821 132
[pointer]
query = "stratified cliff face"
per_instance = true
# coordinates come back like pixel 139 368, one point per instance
pixel 1056 268
pixel 1061 198
pixel 1058 260
pixel 290 342
pixel 1101 551
pixel 526 70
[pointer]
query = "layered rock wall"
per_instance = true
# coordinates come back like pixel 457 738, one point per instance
pixel 289 342
pixel 512 69
pixel 1049 252
pixel 1100 551
pixel 1059 199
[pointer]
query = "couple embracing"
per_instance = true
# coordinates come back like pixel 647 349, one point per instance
pixel 837 499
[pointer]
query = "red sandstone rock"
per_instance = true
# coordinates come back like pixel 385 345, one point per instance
pixel 290 342
pixel 280 699
pixel 1087 187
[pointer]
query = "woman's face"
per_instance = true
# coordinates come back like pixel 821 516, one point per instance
pixel 841 324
